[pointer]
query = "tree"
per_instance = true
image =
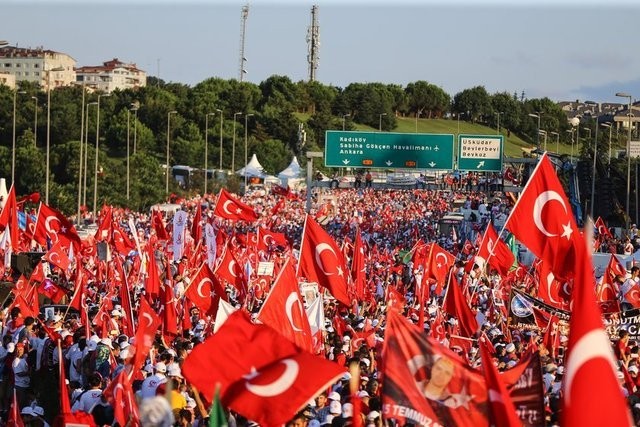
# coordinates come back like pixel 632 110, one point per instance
pixel 474 103
pixel 427 99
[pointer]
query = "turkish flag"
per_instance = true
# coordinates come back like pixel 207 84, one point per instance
pixel 58 257
pixel 230 270
pixel 283 309
pixel 425 383
pixel 456 305
pixel 494 251
pixel 51 291
pixel 602 228
pixel 148 324
pixel 228 207
pixel 119 393
pixel 608 290
pixel 152 281
pixel 592 395
pixel 502 409
pixel 196 226
pixel 395 300
pixel 632 294
pixel 551 290
pixel 158 225
pixel 54 225
pixel 358 272
pixel 106 220
pixel 205 290
pixel 321 261
pixel 261 374
pixel 440 263
pixel 267 238
pixel 543 221
pixel 120 240
pixel 9 218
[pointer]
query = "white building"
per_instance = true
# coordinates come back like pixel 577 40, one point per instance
pixel 8 80
pixel 111 75
pixel 34 65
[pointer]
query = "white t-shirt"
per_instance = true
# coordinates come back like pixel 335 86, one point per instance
pixel 87 400
pixel 150 384
pixel 20 366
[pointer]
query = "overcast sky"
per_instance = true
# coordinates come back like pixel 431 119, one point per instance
pixel 564 49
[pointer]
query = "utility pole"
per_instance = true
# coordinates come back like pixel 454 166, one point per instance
pixel 243 31
pixel 313 41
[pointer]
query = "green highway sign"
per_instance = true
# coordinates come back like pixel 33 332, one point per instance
pixel 388 150
pixel 481 153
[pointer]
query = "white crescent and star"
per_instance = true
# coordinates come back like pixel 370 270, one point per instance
pixel 292 299
pixel 201 284
pixel 550 279
pixel 48 226
pixel 149 319
pixel 279 385
pixel 225 209
pixel 540 202
pixel 440 254
pixel 594 344
pixel 319 249
pixel 231 268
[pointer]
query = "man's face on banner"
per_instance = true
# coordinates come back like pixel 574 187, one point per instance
pixel 441 372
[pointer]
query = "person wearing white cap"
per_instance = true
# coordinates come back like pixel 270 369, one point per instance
pixel 151 383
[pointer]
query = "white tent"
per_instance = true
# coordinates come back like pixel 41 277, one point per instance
pixel 253 168
pixel 292 172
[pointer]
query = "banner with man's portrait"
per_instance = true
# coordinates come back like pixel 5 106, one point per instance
pixel 425 383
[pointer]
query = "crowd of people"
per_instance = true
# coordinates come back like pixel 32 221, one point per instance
pixel 390 222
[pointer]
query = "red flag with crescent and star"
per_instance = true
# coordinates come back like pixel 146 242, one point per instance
pixel 230 270
pixel 148 324
pixel 456 305
pixel 261 374
pixel 54 225
pixel 590 383
pixel 543 221
pixel 119 393
pixel 9 218
pixel 603 230
pixel 283 309
pixel 441 261
pixel 608 290
pixel 321 261
pixel 205 290
pixel 228 207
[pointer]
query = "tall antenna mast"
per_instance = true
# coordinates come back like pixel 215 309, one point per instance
pixel 313 41
pixel 243 29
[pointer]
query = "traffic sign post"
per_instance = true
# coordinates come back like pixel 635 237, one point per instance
pixel 388 150
pixel 482 153
pixel 634 149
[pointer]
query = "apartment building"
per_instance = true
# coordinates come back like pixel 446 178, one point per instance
pixel 8 80
pixel 111 75
pixel 44 67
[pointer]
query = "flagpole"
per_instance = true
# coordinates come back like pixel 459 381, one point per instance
pixel 304 233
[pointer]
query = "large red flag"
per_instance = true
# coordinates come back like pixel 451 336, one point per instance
pixel 148 324
pixel 196 226
pixel 543 221
pixel 591 393
pixel 119 393
pixel 602 228
pixel 205 290
pixel 494 251
pixel 57 256
pixel 121 241
pixel 230 208
pixel 321 261
pixel 106 220
pixel 425 383
pixel 441 261
pixel 609 289
pixel 54 225
pixel 261 375
pixel 158 225
pixel 152 281
pixel 230 270
pixel 283 309
pixel 456 305
pixel 502 409
pixel 9 218
pixel 358 272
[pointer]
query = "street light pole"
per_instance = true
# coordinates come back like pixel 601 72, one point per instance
pixel 543 132
pixel 166 187
pixel 537 115
pixel 246 160
pixel 344 120
pixel 86 154
pixel 557 135
pixel 608 125
pixel 593 170
pixel 35 123
pixel 206 148
pixel 95 170
pixel 220 111
pixel 380 121
pixel 233 146
pixel 627 218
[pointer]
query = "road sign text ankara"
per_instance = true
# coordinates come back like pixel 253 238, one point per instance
pixel 388 150
pixel 480 152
